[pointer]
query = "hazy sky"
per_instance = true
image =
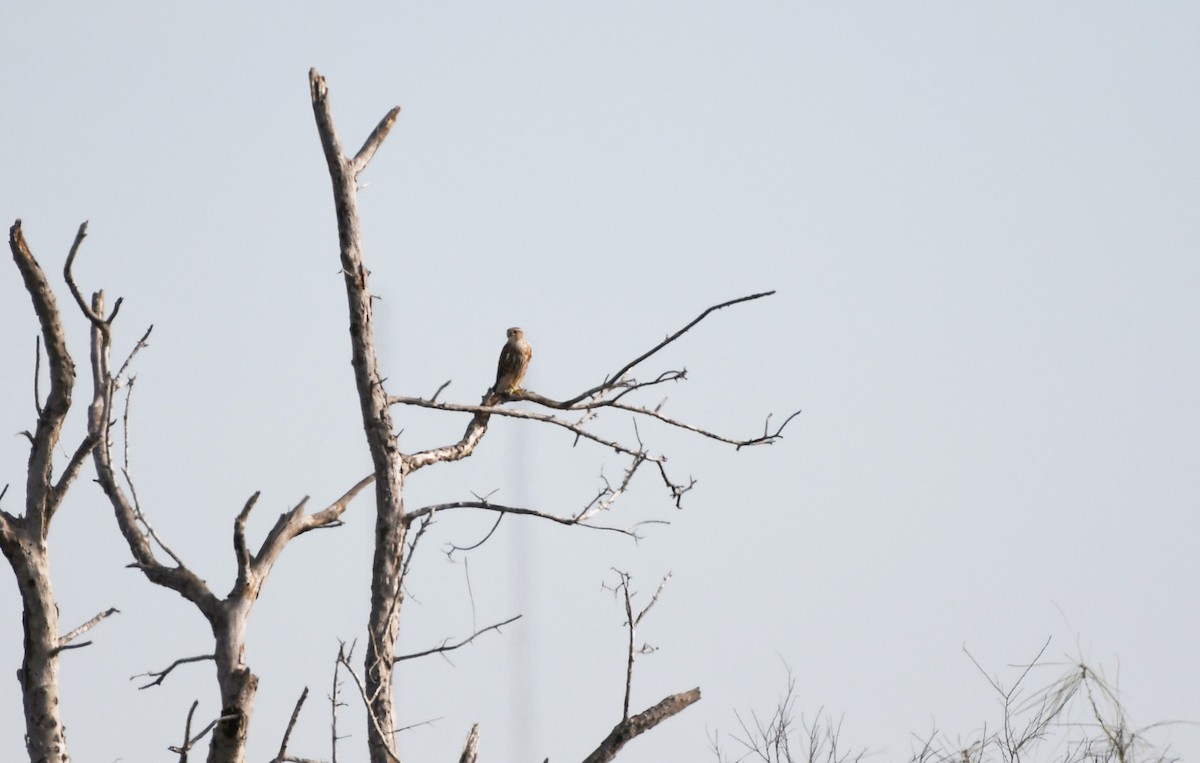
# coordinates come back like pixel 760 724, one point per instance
pixel 981 221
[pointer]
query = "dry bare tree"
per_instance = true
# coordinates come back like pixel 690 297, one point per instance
pixel 227 615
pixel 392 466
pixel 23 536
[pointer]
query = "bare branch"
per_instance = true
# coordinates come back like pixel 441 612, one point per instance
pixel 373 141
pixel 456 548
pixel 178 578
pixel 287 733
pixel 387 460
pixel 452 452
pixel 127 473
pixel 445 647
pixel 187 734
pixel 471 748
pixel 23 540
pixel 344 659
pixel 670 338
pixel 142 344
pixel 608 495
pixel 766 438
pixel 72 635
pixel 70 277
pixel 488 506
pixel 37 374
pixel 293 523
pixel 653 599
pixel 631 627
pixel 39 494
pixel 473 434
pixel 71 471
pixel 240 550
pixel 162 674
pixel 423 524
pixel 629 728
pixel 189 741
pixel 440 389
pixel 631 622
pixel 334 704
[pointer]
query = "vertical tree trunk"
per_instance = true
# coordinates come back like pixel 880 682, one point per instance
pixel 23 539
pixel 45 738
pixel 237 684
pixel 388 461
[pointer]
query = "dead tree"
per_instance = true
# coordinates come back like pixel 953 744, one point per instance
pixel 23 537
pixel 392 466
pixel 227 616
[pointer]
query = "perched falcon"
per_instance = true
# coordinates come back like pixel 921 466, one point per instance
pixel 514 362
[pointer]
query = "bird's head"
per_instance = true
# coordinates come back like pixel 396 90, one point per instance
pixel 515 333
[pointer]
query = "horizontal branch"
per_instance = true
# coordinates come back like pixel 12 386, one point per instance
pixel 417 460
pixel 766 438
pixel 521 511
pixel 166 671
pixel 451 647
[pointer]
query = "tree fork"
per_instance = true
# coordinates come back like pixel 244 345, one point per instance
pixel 388 461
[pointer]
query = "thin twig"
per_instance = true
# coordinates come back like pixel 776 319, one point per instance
pixel 445 647
pixel 37 372
pixel 670 338
pixel 362 692
pixel 334 704
pixel 417 460
pixel 162 674
pixel 488 506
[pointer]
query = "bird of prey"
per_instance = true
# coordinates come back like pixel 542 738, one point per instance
pixel 514 362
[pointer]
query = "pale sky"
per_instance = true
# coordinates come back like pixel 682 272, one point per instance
pixel 981 222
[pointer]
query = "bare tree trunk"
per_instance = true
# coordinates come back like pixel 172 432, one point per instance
pixel 388 461
pixel 23 538
pixel 237 684
pixel 45 738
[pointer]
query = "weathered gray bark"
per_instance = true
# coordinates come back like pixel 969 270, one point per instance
pixel 23 538
pixel 639 724
pixel 386 458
